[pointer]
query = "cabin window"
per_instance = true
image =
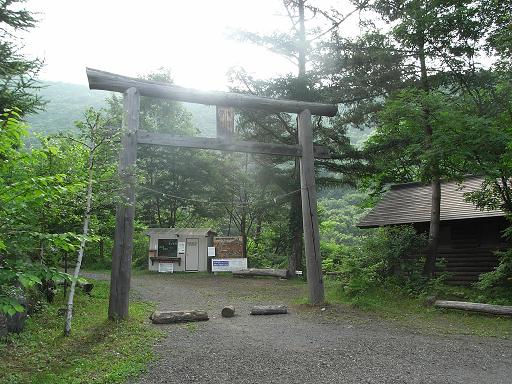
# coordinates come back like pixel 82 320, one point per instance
pixel 167 247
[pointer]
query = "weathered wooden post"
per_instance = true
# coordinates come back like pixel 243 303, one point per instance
pixel 125 211
pixel 309 211
pixel 225 123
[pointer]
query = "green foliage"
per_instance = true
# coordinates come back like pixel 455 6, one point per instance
pixel 17 74
pixel 18 277
pixel 41 354
pixel 501 276
pixel 388 253
pixel 140 250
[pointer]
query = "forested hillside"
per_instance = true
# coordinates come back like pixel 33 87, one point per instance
pixel 66 103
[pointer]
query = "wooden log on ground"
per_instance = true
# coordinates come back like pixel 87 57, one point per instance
pixel 171 317
pixel 269 310
pixel 228 311
pixel 475 307
pixel 116 83
pixel 282 273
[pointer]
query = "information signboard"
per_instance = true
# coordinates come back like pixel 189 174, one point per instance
pixel 228 265
pixel 166 267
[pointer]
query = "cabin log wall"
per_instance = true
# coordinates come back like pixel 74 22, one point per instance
pixel 467 247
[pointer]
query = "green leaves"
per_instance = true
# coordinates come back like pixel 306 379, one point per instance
pixel 15 274
pixel 10 306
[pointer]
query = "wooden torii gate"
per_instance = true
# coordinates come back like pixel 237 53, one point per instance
pixel 134 88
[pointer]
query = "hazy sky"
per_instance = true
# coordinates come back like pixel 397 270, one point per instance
pixel 135 37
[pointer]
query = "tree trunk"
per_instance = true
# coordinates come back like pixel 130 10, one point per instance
pixel 296 235
pixel 435 209
pixel 102 249
pixel 302 42
pixel 295 217
pixel 257 232
pixel 87 217
pixel 243 231
pixel 435 221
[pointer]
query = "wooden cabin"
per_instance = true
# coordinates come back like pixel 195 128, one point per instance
pixel 469 236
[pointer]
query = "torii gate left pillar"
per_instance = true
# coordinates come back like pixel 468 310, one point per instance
pixel 125 210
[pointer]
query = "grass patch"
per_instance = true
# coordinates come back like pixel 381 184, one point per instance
pixel 191 327
pixel 393 304
pixel 98 350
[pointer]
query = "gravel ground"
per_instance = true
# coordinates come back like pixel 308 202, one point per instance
pixel 337 345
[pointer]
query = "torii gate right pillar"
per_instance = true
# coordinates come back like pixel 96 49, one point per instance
pixel 309 210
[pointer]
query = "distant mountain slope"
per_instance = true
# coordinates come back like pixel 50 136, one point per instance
pixel 66 103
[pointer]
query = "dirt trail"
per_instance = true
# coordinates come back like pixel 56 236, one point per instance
pixel 305 346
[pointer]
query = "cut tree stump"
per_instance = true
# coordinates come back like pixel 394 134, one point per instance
pixel 228 311
pixel 170 317
pixel 269 310
pixel 475 307
pixel 282 273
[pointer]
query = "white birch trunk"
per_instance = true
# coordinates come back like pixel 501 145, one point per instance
pixel 87 217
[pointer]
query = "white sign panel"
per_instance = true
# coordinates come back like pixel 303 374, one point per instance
pixel 228 265
pixel 181 247
pixel 166 267
pixel 211 251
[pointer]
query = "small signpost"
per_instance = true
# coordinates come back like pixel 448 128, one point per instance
pixel 225 101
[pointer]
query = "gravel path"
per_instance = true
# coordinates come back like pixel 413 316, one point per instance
pixel 337 345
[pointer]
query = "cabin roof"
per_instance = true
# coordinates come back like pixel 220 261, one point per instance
pixel 410 203
pixel 181 231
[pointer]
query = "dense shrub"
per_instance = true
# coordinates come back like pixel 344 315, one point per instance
pixel 388 253
pixel 140 250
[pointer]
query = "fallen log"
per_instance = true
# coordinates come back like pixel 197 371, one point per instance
pixel 475 307
pixel 269 310
pixel 228 311
pixel 170 317
pixel 282 273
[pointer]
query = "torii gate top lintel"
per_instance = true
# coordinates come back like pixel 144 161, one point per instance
pixel 107 81
pixel 132 89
